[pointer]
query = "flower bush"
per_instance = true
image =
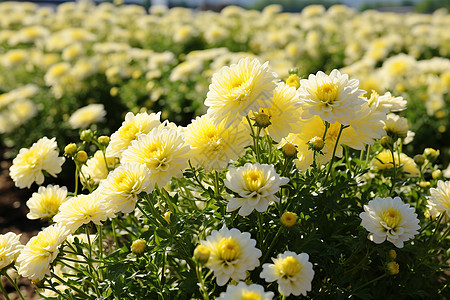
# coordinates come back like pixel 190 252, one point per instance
pixel 333 209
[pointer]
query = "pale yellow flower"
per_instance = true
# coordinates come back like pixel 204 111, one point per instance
pixel 123 185
pixel 396 126
pixel 238 89
pixel 87 115
pixel 131 129
pixel 164 152
pixel 389 219
pixel 242 291
pixel 233 253
pixel 10 247
pixel 83 209
pixel 440 197
pixel 383 161
pixel 293 273
pixel 214 146
pixel 40 251
pixel 334 97
pixel 30 163
pixel 46 202
pixel 95 168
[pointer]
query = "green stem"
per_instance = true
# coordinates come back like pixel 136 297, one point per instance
pixel 446 233
pixel 370 282
pixel 69 285
pixel 394 177
pixel 260 233
pixel 198 271
pixel 2 288
pixel 77 171
pixel 100 240
pixel 216 184
pixel 91 268
pixel 334 151
pixel 255 142
pixel 13 282
pixel 436 229
pixel 272 245
pixel 195 177
pixel 113 228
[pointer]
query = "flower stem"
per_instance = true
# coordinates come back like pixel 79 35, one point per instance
pixel 77 171
pixel 2 288
pixel 198 271
pixel 370 282
pixel 394 176
pixel 255 139
pixel 334 151
pixel 13 282
pixel 436 229
pixel 272 245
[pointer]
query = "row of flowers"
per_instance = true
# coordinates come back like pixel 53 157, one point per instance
pixel 126 59
pixel 282 189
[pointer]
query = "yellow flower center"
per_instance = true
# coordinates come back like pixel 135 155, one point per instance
pixel 250 295
pixel 50 205
pixel 392 217
pixel 17 57
pixel 290 267
pixel 253 179
pixel 229 249
pixel 156 158
pixel 122 182
pixel 58 70
pixel 31 158
pixel 327 92
pixel 31 32
pixel 239 90
pixel 129 131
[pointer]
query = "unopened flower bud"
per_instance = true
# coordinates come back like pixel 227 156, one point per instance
pixel 316 143
pixel 387 142
pixel 167 216
pixel 419 159
pixel 289 219
pixel 293 80
pixel 393 268
pixel 201 254
pixel 437 174
pixel 104 140
pixel 138 246
pixel 262 120
pixel 289 150
pixel 392 254
pixel 81 156
pixel 431 154
pixel 86 135
pixel 424 184
pixel 70 149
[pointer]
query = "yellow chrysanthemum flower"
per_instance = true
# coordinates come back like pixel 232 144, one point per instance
pixel 242 291
pixel 40 251
pixel 214 146
pixel 87 115
pixel 10 247
pixel 30 163
pixel 439 201
pixel 95 168
pixel 238 89
pixel 383 161
pixel 46 202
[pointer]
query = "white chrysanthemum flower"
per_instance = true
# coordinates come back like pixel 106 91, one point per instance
pixel 256 185
pixel 95 168
pixel 46 202
pixel 85 116
pixel 396 126
pixel 242 291
pixel 387 102
pixel 214 146
pixel 40 251
pixel 440 197
pixel 293 273
pixel 83 209
pixel 56 72
pixel 233 253
pixel 334 97
pixel 163 151
pixel 238 89
pixel 284 112
pixel 30 163
pixel 389 219
pixel 123 185
pixel 131 129
pixel 10 247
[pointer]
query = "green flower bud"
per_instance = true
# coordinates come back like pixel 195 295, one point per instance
pixel 70 149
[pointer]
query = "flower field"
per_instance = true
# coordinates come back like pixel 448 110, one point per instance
pixel 174 153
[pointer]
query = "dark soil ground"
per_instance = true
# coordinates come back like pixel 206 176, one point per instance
pixel 13 218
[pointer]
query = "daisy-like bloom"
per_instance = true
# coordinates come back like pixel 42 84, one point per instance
pixel 212 147
pixel 284 112
pixel 440 197
pixel 122 186
pixel 389 219
pixel 131 129
pixel 10 247
pixel 30 163
pixel 387 102
pixel 233 253
pixel 83 209
pixel 383 161
pixel 40 251
pixel 242 291
pixel 46 202
pixel 334 97
pixel 85 116
pixel 256 185
pixel 293 273
pixel 163 151
pixel 238 89
pixel 95 168
pixel 396 126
